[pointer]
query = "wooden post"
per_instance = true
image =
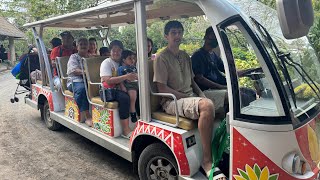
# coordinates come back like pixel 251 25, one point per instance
pixel 12 51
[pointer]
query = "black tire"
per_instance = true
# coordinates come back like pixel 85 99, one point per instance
pixel 16 99
pixel 45 115
pixel 162 161
pixel 12 100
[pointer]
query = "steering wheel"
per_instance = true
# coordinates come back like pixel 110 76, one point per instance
pixel 254 73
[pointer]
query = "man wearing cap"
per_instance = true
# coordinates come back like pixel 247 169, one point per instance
pixel 210 74
pixel 66 49
pixel 209 71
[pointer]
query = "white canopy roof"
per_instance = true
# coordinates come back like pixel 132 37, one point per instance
pixel 119 13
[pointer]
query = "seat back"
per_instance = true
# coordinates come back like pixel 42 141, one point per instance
pixel 62 65
pixel 92 70
pixel 154 100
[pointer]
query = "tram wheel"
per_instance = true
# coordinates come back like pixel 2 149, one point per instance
pixel 45 115
pixel 157 162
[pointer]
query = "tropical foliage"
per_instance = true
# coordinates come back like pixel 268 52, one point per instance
pixel 23 11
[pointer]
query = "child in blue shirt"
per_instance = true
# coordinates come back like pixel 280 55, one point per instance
pixel 131 87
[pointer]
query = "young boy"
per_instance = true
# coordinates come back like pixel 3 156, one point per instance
pixel 104 51
pixel 173 74
pixel 131 87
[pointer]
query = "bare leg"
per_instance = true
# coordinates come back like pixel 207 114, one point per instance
pixel 82 116
pixel 133 98
pixel 205 126
pixel 88 115
pixel 88 118
pixel 125 126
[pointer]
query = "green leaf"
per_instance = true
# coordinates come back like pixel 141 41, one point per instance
pixel 274 177
pixel 243 174
pixel 257 170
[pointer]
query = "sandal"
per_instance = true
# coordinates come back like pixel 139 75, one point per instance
pixel 127 136
pixel 217 173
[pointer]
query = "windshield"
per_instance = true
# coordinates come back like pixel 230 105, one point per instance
pixel 298 68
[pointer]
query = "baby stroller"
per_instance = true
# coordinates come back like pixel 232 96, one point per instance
pixel 28 63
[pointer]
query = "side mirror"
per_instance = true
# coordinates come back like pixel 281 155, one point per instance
pixel 296 17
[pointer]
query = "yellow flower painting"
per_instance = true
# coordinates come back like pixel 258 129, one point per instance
pixel 255 173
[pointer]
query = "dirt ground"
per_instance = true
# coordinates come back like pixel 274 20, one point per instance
pixel 29 150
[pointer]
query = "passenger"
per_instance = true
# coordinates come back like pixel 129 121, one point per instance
pixel 75 82
pixel 55 42
pixel 209 71
pixel 110 81
pixel 173 74
pixel 104 51
pixel 93 47
pixel 74 44
pixel 131 87
pixel 150 49
pixel 65 49
pixel 134 58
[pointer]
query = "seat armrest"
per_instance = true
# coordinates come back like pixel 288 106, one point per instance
pixel 103 92
pixel 62 86
pixel 175 103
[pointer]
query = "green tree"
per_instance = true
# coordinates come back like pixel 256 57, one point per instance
pixel 24 11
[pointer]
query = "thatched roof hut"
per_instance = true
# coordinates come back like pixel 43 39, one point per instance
pixel 10 32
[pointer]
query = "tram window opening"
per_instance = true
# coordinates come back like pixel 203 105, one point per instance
pixel 254 91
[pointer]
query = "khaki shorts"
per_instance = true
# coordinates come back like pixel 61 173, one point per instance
pixel 189 107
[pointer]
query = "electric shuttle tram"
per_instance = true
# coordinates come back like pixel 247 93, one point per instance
pixel 274 137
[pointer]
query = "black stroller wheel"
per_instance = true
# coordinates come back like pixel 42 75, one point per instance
pixel 12 100
pixel 16 99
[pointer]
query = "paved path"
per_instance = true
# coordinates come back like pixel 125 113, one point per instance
pixel 28 150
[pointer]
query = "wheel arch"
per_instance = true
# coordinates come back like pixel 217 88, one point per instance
pixel 140 143
pixel 41 100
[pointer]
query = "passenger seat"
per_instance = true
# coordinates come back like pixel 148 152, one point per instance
pixel 62 63
pixel 92 70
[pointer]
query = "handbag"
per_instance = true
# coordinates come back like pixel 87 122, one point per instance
pixel 110 94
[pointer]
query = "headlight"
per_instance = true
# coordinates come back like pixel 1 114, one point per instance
pixel 293 164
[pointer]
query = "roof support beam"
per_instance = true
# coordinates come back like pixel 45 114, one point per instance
pixel 141 35
pixel 12 51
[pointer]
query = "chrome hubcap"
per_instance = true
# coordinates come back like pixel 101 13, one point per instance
pixel 161 169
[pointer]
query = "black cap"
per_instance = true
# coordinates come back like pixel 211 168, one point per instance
pixel 66 33
pixel 209 30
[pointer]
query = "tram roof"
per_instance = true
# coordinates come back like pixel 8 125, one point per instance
pixel 119 13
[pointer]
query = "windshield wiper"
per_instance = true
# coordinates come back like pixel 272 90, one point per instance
pixel 277 54
pixel 293 64
pixel 286 59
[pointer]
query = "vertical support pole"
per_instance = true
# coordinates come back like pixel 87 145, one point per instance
pixel 43 57
pixel 12 51
pixel 143 71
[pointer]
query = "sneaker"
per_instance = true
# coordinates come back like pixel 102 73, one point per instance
pixel 133 117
